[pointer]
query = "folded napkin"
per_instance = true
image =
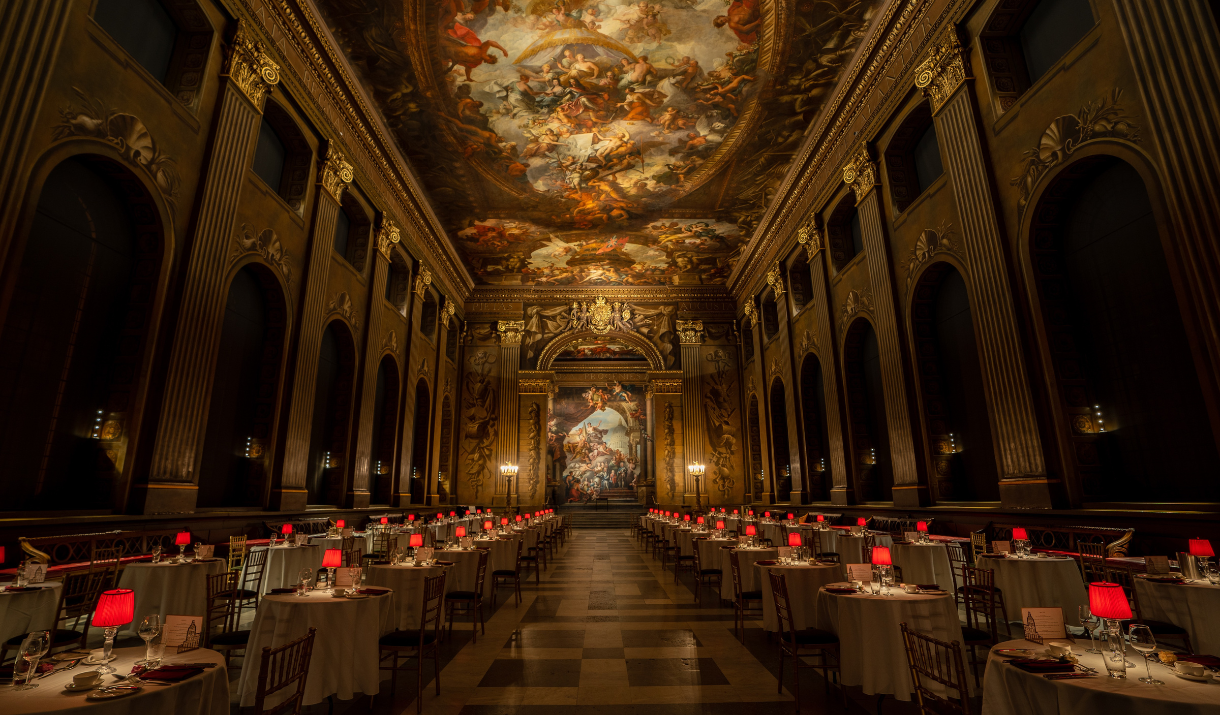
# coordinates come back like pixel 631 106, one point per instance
pixel 444 563
pixel 991 556
pixel 1207 661
pixel 1164 579
pixel 21 589
pixel 839 590
pixel 928 586
pixel 43 667
pixel 1042 665
pixel 767 562
pixel 282 590
pixel 171 672
pixel 373 591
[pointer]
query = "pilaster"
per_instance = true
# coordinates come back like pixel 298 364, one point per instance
pixel 690 334
pixel 511 332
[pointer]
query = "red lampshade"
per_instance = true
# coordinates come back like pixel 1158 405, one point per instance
pixel 719 524
pixel 750 531
pixel 1201 547
pixel 734 511
pixel 921 526
pixel 697 521
pixel 794 539
pixel 385 520
pixel 115 608
pixel 527 515
pixel 821 518
pixel 766 515
pixel 184 537
pixel 1 554
pixel 410 517
pixel 416 540
pixel 332 559
pixel 503 521
pixel 861 521
pixel 881 556
pixel 487 525
pixel 792 516
pixel 518 517
pixel 1019 534
pixel 340 523
pixel 440 515
pixel 686 518
pixel 750 512
pixel 453 513
pixel 478 511
pixel 285 529
pixel 461 531
pixel 1107 600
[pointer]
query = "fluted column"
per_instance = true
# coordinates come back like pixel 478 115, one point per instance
pixel 510 362
pixel 690 332
pixel 861 174
pixel 755 376
pixel 1175 52
pixel 842 491
pixel 334 175
pixel 944 76
pixel 173 482
pixel 358 493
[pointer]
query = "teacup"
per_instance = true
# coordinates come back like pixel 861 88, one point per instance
pixel 1059 649
pixel 85 679
pixel 910 587
pixel 1192 669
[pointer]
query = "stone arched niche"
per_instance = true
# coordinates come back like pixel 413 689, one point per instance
pixel 561 343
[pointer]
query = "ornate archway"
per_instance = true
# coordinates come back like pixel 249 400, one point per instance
pixel 635 340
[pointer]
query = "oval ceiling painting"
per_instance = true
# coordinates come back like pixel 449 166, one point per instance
pixel 599 142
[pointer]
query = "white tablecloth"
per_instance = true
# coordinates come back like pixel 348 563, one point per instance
pixel 1008 690
pixel 204 694
pixel 503 554
pixel 169 589
pixel 1193 606
pixel 1039 583
pixel 22 612
pixel 804 582
pixel 407 582
pixel 870 641
pixel 344 658
pixel 284 564
pixel 709 553
pixel 745 562
pixel 923 564
pixel 465 570
pixel 851 548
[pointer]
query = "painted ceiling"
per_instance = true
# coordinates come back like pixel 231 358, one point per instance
pixel 599 142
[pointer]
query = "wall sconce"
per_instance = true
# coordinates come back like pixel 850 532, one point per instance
pixel 1101 424
pixel 696 470
pixel 952 443
pixel 96 432
pixel 509 472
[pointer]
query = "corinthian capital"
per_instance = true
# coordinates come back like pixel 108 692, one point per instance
pixel 511 331
pixel 335 172
pixel 861 172
pixel 250 67
pixel 944 69
pixel 809 236
pixel 690 332
pixel 387 236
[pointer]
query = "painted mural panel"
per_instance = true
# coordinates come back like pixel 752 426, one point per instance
pixel 594 435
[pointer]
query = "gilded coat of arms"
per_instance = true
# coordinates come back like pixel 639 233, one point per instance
pixel 600 316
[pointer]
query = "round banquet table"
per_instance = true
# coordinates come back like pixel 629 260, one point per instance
pixel 344 660
pixel 284 563
pixel 203 694
pixel 465 569
pixel 503 554
pixel 1038 583
pixel 851 548
pixel 804 582
pixel 924 564
pixel 871 651
pixel 530 536
pixel 1008 690
pixel 407 582
pixel 169 589
pixel 709 552
pixel 682 538
pixel 1193 606
pixel 745 561
pixel 22 612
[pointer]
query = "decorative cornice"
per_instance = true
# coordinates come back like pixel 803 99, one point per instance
pixel 666 386
pixel 810 236
pixel 533 386
pixel 250 67
pixel 690 332
pixel 860 173
pixel 423 279
pixel 387 235
pixel 335 173
pixel 633 294
pixel 946 68
pixel 775 279
pixel 511 331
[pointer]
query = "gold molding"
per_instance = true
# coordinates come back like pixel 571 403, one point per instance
pixel 423 279
pixel 250 67
pixel 511 331
pixel 810 236
pixel 690 332
pixel 335 172
pixel 387 235
pixel 860 173
pixel 946 68
pixel 448 311
pixel 750 311
pixel 775 279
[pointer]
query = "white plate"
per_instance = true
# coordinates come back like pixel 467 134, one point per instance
pixel 114 692
pixel 938 592
pixel 1015 652
pixel 99 661
pixel 1196 678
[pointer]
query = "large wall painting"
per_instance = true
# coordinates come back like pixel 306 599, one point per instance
pixel 594 435
pixel 603 349
pixel 599 142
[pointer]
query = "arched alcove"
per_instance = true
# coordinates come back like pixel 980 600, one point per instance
pixel 813 409
pixel 843 233
pixel 1127 388
pixel 546 360
pixel 952 392
pixel 237 444
pixel 385 429
pixel 781 449
pixel 78 311
pixel 331 428
pixel 420 443
pixel 870 438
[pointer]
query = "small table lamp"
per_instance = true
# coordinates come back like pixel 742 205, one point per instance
pixel 861 521
pixel 114 608
pixel 720 524
pixel 286 530
pixel 1202 550
pixel 697 521
pixel 331 560
pixel 488 525
pixel 461 531
pixel 686 518
pixel 417 540
pixel 1107 600
pixel 181 540
pixel 881 556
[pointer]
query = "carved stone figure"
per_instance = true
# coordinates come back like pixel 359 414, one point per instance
pixel 480 421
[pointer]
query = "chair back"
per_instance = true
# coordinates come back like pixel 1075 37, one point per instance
pixel 783 608
pixel 978 545
pixel 433 605
pixel 109 559
pixel 517 563
pixel 1092 561
pixel 481 574
pixel 79 595
pixel 1125 577
pixel 381 542
pixel 222 596
pixel 353 556
pixel 694 545
pixel 252 574
pixel 735 563
pixel 870 541
pixel 237 552
pixel 979 598
pixel 347 543
pixel 812 539
pixel 281 668
pixel 935 661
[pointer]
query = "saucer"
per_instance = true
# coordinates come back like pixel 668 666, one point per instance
pixel 1206 677
pixel 114 691
pixel 73 687
pixel 100 661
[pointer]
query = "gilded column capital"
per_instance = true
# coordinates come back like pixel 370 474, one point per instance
pixel 775 279
pixel 511 331
pixel 690 332
pixel 810 236
pixel 944 69
pixel 250 67
pixel 448 311
pixel 750 311
pixel 387 235
pixel 861 172
pixel 335 172
pixel 423 279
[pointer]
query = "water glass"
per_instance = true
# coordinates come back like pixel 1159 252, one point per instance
pixel 156 553
pixel 149 629
pixel 35 646
pixel 303 577
pixel 858 585
pixel 1143 641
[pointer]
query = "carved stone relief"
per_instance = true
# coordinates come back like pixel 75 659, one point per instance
pixel 341 303
pixel 533 421
pixel 856 301
pixel 667 426
pixel 480 420
pixel 931 242
pixel 390 342
pixel 808 343
pixel 721 421
pixel 265 244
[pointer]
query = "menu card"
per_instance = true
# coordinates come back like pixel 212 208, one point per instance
pixel 182 630
pixel 1048 622
pixel 347 576
pixel 423 553
pixel 911 535
pixel 1001 547
pixel 1156 564
pixel 346 532
pixel 300 539
pixel 860 572
pixel 466 542
pixel 205 551
pixel 785 552
pixel 35 572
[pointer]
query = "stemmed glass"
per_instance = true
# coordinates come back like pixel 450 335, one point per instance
pixel 34 647
pixel 149 629
pixel 156 553
pixel 1089 621
pixel 303 577
pixel 1143 641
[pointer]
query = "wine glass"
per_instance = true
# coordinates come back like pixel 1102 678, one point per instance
pixel 1089 621
pixel 34 647
pixel 156 553
pixel 149 629
pixel 303 577
pixel 1143 641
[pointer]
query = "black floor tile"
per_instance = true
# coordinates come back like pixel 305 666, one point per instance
pixel 674 671
pixel 546 638
pixel 602 653
pixel 660 639
pixel 532 673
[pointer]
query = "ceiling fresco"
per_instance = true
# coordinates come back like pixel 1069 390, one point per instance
pixel 599 142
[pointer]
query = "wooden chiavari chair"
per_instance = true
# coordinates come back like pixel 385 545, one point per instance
pixel 413 644
pixel 939 662
pixel 984 613
pixel 470 601
pixel 78 596
pixel 1162 630
pixel 742 599
pixel 499 576
pixel 281 668
pixel 1092 558
pixel 798 645
pixel 978 546
pixel 237 552
pixel 957 559
pixel 712 577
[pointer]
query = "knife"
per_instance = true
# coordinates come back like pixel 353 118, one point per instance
pixel 1068 676
pixel 53 671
